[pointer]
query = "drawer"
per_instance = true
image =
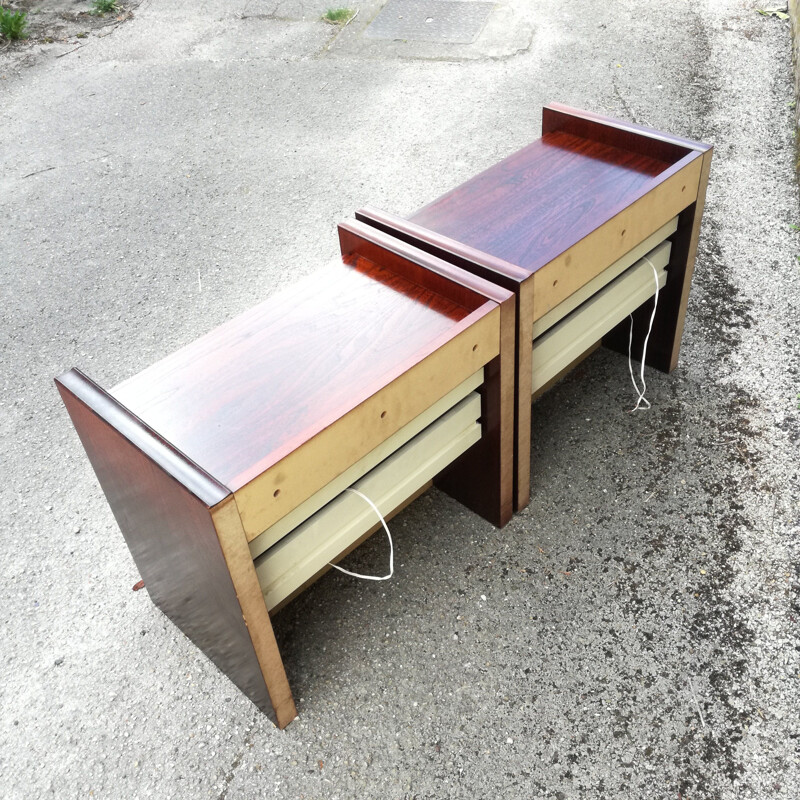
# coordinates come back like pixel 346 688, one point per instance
pixel 579 328
pixel 605 277
pixel 286 524
pixel 310 547
pixel 310 466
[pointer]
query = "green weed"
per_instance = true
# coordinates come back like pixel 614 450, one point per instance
pixel 13 24
pixel 338 16
pixel 100 7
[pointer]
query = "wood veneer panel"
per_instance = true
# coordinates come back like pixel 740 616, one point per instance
pixel 245 395
pixel 254 611
pixel 266 539
pixel 307 468
pixel 536 203
pixel 587 258
pixel 470 259
pixel 551 217
pixel 418 265
pixel 617 268
pixel 171 535
pixel 626 135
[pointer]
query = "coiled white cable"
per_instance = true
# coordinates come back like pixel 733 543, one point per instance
pixel 391 546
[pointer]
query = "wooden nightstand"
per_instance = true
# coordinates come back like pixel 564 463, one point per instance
pixel 226 464
pixel 572 224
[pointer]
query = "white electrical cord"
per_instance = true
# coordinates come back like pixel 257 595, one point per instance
pixel 391 546
pixel 641 398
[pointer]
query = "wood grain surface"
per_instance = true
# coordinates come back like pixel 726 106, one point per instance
pixel 245 395
pixel 551 217
pixel 620 133
pixel 539 201
pixel 483 479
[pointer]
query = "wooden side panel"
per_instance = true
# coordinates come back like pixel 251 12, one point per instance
pixel 515 349
pixel 410 257
pixel 171 536
pixel 461 255
pixel 627 135
pixel 483 478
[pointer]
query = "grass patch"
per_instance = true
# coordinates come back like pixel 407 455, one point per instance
pixel 13 24
pixel 338 16
pixel 100 7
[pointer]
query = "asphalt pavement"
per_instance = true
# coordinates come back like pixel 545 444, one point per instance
pixel 632 634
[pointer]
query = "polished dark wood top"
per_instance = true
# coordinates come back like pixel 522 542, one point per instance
pixel 254 389
pixel 533 205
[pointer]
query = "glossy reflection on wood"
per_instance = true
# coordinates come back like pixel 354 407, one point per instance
pixel 551 217
pixel 203 451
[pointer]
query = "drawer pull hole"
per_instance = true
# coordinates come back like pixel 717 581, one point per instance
pixel 276 492
pixel 383 414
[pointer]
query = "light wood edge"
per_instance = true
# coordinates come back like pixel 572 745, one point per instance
pixel 583 293
pixel 508 351
pixel 350 438
pixel 566 273
pixel 564 372
pixel 522 388
pixel 687 280
pixel 355 472
pixel 349 549
pixel 233 543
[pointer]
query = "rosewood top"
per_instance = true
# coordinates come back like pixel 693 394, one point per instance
pixel 240 398
pixel 533 205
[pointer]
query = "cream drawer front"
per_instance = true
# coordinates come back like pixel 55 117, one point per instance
pixel 298 556
pixel 276 532
pixel 564 342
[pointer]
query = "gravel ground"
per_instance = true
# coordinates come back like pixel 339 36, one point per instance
pixel 633 633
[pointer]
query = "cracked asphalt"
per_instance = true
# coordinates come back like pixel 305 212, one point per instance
pixel 633 633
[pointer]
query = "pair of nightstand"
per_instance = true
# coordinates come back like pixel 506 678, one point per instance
pixel 411 359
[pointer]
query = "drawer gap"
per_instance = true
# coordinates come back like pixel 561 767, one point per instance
pixel 586 291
